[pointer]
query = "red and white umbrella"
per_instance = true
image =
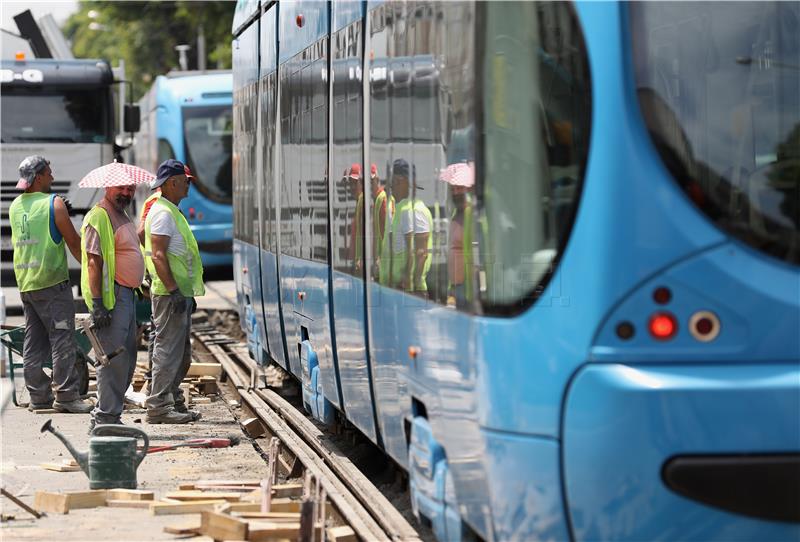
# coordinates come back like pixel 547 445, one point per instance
pixel 460 174
pixel 116 174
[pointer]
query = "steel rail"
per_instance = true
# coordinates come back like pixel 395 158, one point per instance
pixel 358 501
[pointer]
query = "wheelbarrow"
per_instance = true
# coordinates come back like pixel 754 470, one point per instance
pixel 12 338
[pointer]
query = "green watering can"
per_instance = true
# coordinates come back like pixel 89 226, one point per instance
pixel 112 459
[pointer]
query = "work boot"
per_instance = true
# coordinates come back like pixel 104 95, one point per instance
pixel 76 406
pixel 170 417
pixel 33 407
pixel 183 410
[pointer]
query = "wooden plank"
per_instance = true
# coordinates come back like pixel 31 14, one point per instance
pixel 182 529
pixel 62 503
pixel 250 482
pixel 193 495
pixel 287 490
pixel 123 503
pixel 277 505
pixel 342 533
pixel 269 516
pixel 60 467
pixel 130 494
pixel 260 532
pixel 193 507
pixel 205 369
pixel 253 427
pixel 222 527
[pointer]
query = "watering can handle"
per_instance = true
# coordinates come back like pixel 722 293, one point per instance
pixel 114 430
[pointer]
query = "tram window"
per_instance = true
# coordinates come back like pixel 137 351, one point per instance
pixel 165 151
pixel 719 89
pixel 536 116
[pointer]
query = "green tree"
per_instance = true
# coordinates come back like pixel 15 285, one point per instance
pixel 144 35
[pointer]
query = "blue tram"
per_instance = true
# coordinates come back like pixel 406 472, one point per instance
pixel 188 116
pixel 544 254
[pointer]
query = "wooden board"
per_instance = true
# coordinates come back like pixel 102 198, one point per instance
pixel 130 494
pixel 205 369
pixel 277 505
pixel 343 533
pixel 287 490
pixel 223 527
pixel 182 529
pixel 193 495
pixel 62 503
pixel 259 532
pixel 277 517
pixel 122 503
pixel 60 467
pixel 194 507
pixel 253 427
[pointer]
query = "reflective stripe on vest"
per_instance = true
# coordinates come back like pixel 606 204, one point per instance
pixel 186 270
pixel 39 262
pixel 98 219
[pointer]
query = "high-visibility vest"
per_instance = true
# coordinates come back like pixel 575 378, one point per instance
pixel 39 262
pixel 98 219
pixel 399 258
pixel 187 270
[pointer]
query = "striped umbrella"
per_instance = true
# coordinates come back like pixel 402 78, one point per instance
pixel 116 174
pixel 460 174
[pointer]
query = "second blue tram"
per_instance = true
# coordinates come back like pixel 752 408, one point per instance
pixel 188 116
pixel 544 254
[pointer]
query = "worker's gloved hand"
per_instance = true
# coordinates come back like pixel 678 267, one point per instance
pixel 101 316
pixel 177 301
pixel 68 205
pixel 194 305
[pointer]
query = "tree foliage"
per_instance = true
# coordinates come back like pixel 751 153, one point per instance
pixel 144 35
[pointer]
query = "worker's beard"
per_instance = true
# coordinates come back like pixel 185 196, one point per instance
pixel 122 202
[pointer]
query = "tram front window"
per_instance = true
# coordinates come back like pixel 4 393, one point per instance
pixel 56 115
pixel 719 89
pixel 208 133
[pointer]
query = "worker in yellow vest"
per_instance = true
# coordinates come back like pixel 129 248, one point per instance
pixel 40 229
pixel 173 261
pixel 113 268
pixel 151 337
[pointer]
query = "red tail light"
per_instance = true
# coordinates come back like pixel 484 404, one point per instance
pixel 663 326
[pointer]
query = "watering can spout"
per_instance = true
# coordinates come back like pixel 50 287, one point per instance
pixel 81 457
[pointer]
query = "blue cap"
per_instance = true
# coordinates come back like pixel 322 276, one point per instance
pixel 168 168
pixel 400 167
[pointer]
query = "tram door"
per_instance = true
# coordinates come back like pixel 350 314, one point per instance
pixel 350 211
pixel 268 91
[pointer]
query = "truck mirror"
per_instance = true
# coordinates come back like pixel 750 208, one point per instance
pixel 132 118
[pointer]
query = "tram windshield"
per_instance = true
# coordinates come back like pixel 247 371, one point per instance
pixel 208 132
pixel 53 115
pixel 719 89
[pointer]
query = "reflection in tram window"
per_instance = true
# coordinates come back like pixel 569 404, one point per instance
pixel 536 115
pixel 421 107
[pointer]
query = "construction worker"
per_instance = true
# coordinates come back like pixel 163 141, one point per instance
pixel 409 247
pixel 40 229
pixel 113 268
pixel 173 261
pixel 151 336
pixel 383 207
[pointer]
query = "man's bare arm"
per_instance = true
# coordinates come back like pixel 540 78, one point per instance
pixel 159 244
pixel 95 266
pixel 67 230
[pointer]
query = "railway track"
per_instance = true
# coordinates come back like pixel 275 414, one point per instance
pixel 304 449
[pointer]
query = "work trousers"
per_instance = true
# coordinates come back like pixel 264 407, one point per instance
pixel 172 355
pixel 50 333
pixel 113 379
